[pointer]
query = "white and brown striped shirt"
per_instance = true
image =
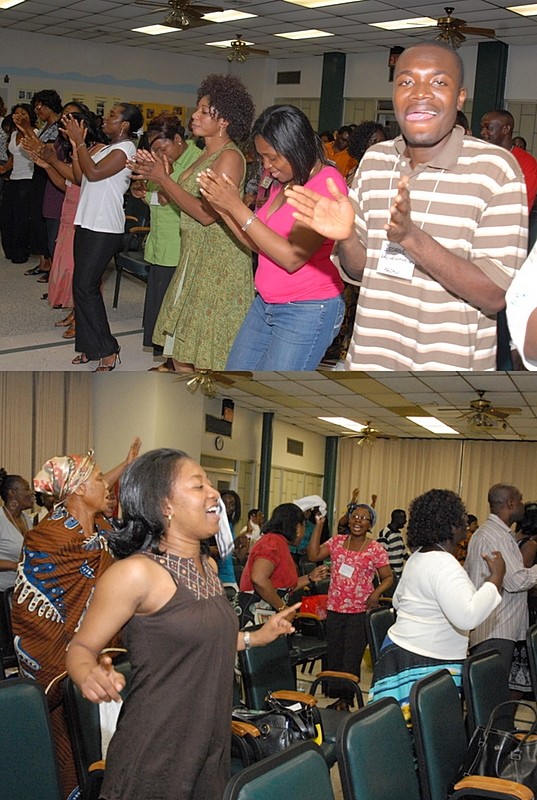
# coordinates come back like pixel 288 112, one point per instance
pixel 471 198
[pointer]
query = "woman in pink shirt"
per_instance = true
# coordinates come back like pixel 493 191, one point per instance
pixel 299 306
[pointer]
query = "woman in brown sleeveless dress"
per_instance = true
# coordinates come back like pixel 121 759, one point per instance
pixel 173 735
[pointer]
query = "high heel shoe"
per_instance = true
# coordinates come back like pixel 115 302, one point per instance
pixel 109 367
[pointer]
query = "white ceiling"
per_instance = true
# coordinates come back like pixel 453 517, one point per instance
pixel 110 22
pixel 386 399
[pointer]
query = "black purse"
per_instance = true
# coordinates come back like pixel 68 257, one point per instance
pixel 284 722
pixel 511 755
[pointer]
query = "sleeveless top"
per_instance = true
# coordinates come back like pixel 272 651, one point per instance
pixel 173 739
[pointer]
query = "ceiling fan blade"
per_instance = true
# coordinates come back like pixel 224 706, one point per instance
pixel 258 51
pixel 505 410
pixel 488 32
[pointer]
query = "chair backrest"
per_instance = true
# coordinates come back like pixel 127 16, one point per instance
pixel 439 734
pixel 28 766
pixel 531 642
pixel 300 772
pixel 7 651
pixel 83 721
pixel 374 754
pixel 377 623
pixel 266 669
pixel 483 686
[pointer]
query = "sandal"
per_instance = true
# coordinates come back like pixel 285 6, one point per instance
pixel 66 322
pixel 35 271
pixel 165 367
pixel 44 278
pixel 70 333
pixel 81 359
pixel 109 367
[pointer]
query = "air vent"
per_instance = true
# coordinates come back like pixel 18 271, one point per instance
pixel 295 447
pixel 288 78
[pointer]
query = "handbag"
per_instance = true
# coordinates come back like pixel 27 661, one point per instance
pixel 508 754
pixel 284 722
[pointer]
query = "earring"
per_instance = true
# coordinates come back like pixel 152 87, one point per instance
pixel 13 505
pixel 220 133
pixel 169 517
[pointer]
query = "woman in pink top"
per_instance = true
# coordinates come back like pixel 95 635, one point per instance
pixel 355 560
pixel 299 306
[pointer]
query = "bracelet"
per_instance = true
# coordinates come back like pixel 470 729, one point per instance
pixel 248 222
pixel 247 642
pixel 282 607
pixel 311 582
pixel 82 144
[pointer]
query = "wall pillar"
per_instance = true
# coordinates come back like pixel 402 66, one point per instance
pixel 265 466
pixel 489 86
pixel 330 473
pixel 332 87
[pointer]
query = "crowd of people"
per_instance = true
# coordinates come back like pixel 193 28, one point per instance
pixel 394 253
pixel 166 577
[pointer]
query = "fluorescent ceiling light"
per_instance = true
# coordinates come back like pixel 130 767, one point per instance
pixel 227 16
pixel 343 422
pixel 227 43
pixel 402 24
pixel 319 3
pixel 156 30
pixel 432 424
pixel 525 11
pixel 10 3
pixel 313 34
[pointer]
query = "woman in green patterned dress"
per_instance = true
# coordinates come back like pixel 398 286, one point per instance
pixel 212 288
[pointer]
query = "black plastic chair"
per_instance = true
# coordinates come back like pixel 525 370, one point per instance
pixel 84 726
pixel 483 687
pixel 377 623
pixel 7 651
pixel 299 772
pixel 130 257
pixel 363 741
pixel 269 669
pixel 28 767
pixel 440 744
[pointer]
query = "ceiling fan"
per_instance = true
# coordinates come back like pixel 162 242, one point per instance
pixel 181 13
pixel 482 415
pixel 367 436
pixel 207 381
pixel 239 50
pixel 452 31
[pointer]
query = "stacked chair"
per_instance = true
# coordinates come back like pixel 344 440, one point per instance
pixel 299 772
pixel 28 765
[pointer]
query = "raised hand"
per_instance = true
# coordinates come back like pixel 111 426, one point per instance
pixel 332 217
pixel 73 128
pixel 400 222
pixel 219 190
pixel 149 166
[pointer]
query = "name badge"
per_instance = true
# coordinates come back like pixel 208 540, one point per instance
pixel 266 181
pixel 346 570
pixel 395 261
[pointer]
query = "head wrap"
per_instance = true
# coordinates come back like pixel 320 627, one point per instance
pixel 372 512
pixel 62 475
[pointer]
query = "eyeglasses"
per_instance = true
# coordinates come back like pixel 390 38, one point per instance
pixel 362 519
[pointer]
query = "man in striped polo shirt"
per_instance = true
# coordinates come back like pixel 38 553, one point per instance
pixel 434 230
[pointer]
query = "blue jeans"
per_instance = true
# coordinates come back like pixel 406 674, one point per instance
pixel 286 336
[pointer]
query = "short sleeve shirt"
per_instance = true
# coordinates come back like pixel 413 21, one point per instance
pixel 274 548
pixel 347 594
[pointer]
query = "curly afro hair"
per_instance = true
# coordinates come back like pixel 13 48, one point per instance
pixel 231 101
pixel 433 518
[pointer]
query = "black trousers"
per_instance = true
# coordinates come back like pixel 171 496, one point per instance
pixel 157 284
pixel 93 250
pixel 346 640
pixel 15 220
